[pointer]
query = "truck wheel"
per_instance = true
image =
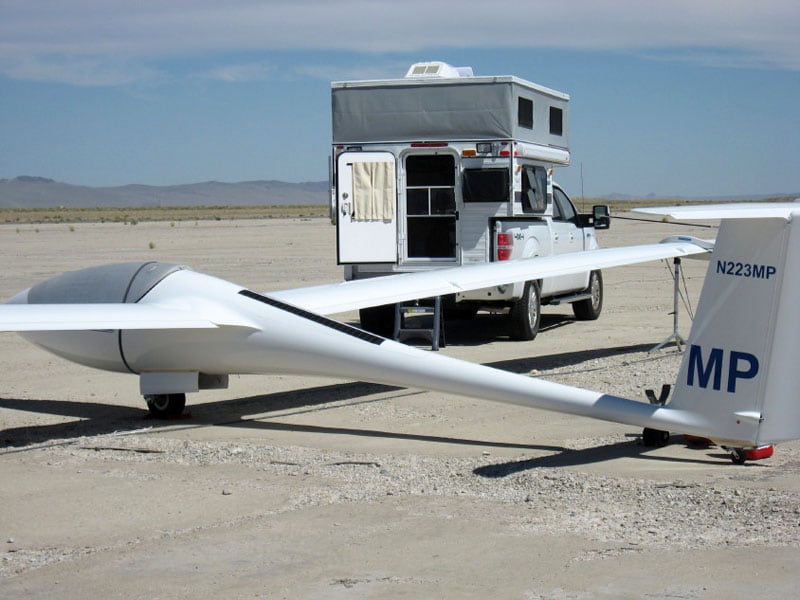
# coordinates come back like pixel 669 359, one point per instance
pixel 378 320
pixel 525 313
pixel 589 309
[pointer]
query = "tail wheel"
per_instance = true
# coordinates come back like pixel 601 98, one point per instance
pixel 741 455
pixel 655 438
pixel 166 406
pixel 526 314
pixel 589 309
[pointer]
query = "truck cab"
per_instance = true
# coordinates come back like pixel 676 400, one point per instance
pixel 442 168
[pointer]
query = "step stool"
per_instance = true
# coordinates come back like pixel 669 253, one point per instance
pixel 413 309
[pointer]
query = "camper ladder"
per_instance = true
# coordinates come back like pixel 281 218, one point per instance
pixel 434 333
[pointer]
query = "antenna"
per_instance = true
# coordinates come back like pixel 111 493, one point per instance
pixel 583 201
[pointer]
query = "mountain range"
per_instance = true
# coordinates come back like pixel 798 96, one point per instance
pixel 40 192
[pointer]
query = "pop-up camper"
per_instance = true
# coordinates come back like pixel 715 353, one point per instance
pixel 443 168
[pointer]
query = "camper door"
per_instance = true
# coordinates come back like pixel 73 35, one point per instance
pixel 366 204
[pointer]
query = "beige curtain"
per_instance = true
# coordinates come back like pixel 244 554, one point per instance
pixel 373 191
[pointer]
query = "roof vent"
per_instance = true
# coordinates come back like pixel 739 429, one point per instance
pixel 437 69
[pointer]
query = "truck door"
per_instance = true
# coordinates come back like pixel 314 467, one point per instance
pixel 567 237
pixel 366 206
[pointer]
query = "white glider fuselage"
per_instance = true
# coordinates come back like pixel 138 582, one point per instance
pixel 270 336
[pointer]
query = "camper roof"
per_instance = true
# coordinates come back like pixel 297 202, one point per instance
pixel 435 73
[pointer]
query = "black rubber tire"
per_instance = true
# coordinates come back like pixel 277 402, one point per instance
pixel 166 406
pixel 738 456
pixel 590 309
pixel 655 438
pixel 526 314
pixel 378 320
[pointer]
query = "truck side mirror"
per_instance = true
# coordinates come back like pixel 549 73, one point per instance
pixel 601 216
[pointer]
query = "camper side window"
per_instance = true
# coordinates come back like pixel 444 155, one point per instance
pixel 556 121
pixel 534 190
pixel 525 113
pixel 486 185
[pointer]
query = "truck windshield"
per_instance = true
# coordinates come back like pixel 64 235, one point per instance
pixel 485 185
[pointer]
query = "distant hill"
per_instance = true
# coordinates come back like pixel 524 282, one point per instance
pixel 39 192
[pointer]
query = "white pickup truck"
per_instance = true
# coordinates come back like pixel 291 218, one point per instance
pixel 442 168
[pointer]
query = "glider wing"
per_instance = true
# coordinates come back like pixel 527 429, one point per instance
pixel 83 317
pixel 351 295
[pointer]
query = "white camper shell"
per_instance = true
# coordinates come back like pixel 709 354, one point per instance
pixel 443 168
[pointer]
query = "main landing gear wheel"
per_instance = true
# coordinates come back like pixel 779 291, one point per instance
pixel 166 406
pixel 655 438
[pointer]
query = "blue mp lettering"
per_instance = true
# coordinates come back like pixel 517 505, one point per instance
pixel 734 372
pixel 704 371
pixel 741 365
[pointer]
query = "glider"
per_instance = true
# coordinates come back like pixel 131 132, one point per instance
pixel 181 331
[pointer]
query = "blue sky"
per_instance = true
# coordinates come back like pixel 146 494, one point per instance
pixel 673 98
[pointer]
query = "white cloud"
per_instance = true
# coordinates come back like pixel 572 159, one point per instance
pixel 238 73
pixel 120 33
pixel 79 71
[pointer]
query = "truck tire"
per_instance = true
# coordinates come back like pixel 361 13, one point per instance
pixel 378 320
pixel 589 309
pixel 526 314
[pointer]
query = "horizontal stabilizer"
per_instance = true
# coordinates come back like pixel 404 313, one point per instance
pixel 731 210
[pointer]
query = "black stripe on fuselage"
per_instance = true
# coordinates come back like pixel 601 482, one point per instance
pixel 338 326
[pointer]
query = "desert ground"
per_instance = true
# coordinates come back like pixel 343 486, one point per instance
pixel 293 487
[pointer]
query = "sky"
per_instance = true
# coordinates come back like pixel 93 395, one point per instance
pixel 671 98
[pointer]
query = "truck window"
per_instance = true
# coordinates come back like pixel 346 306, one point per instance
pixel 485 185
pixel 562 207
pixel 534 186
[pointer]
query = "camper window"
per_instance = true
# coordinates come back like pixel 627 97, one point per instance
pixel 534 184
pixel 556 121
pixel 485 185
pixel 525 113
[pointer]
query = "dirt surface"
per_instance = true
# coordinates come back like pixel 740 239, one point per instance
pixel 290 487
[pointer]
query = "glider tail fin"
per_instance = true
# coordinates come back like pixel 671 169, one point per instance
pixel 740 376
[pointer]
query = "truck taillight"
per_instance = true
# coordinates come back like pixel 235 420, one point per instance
pixel 504 243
